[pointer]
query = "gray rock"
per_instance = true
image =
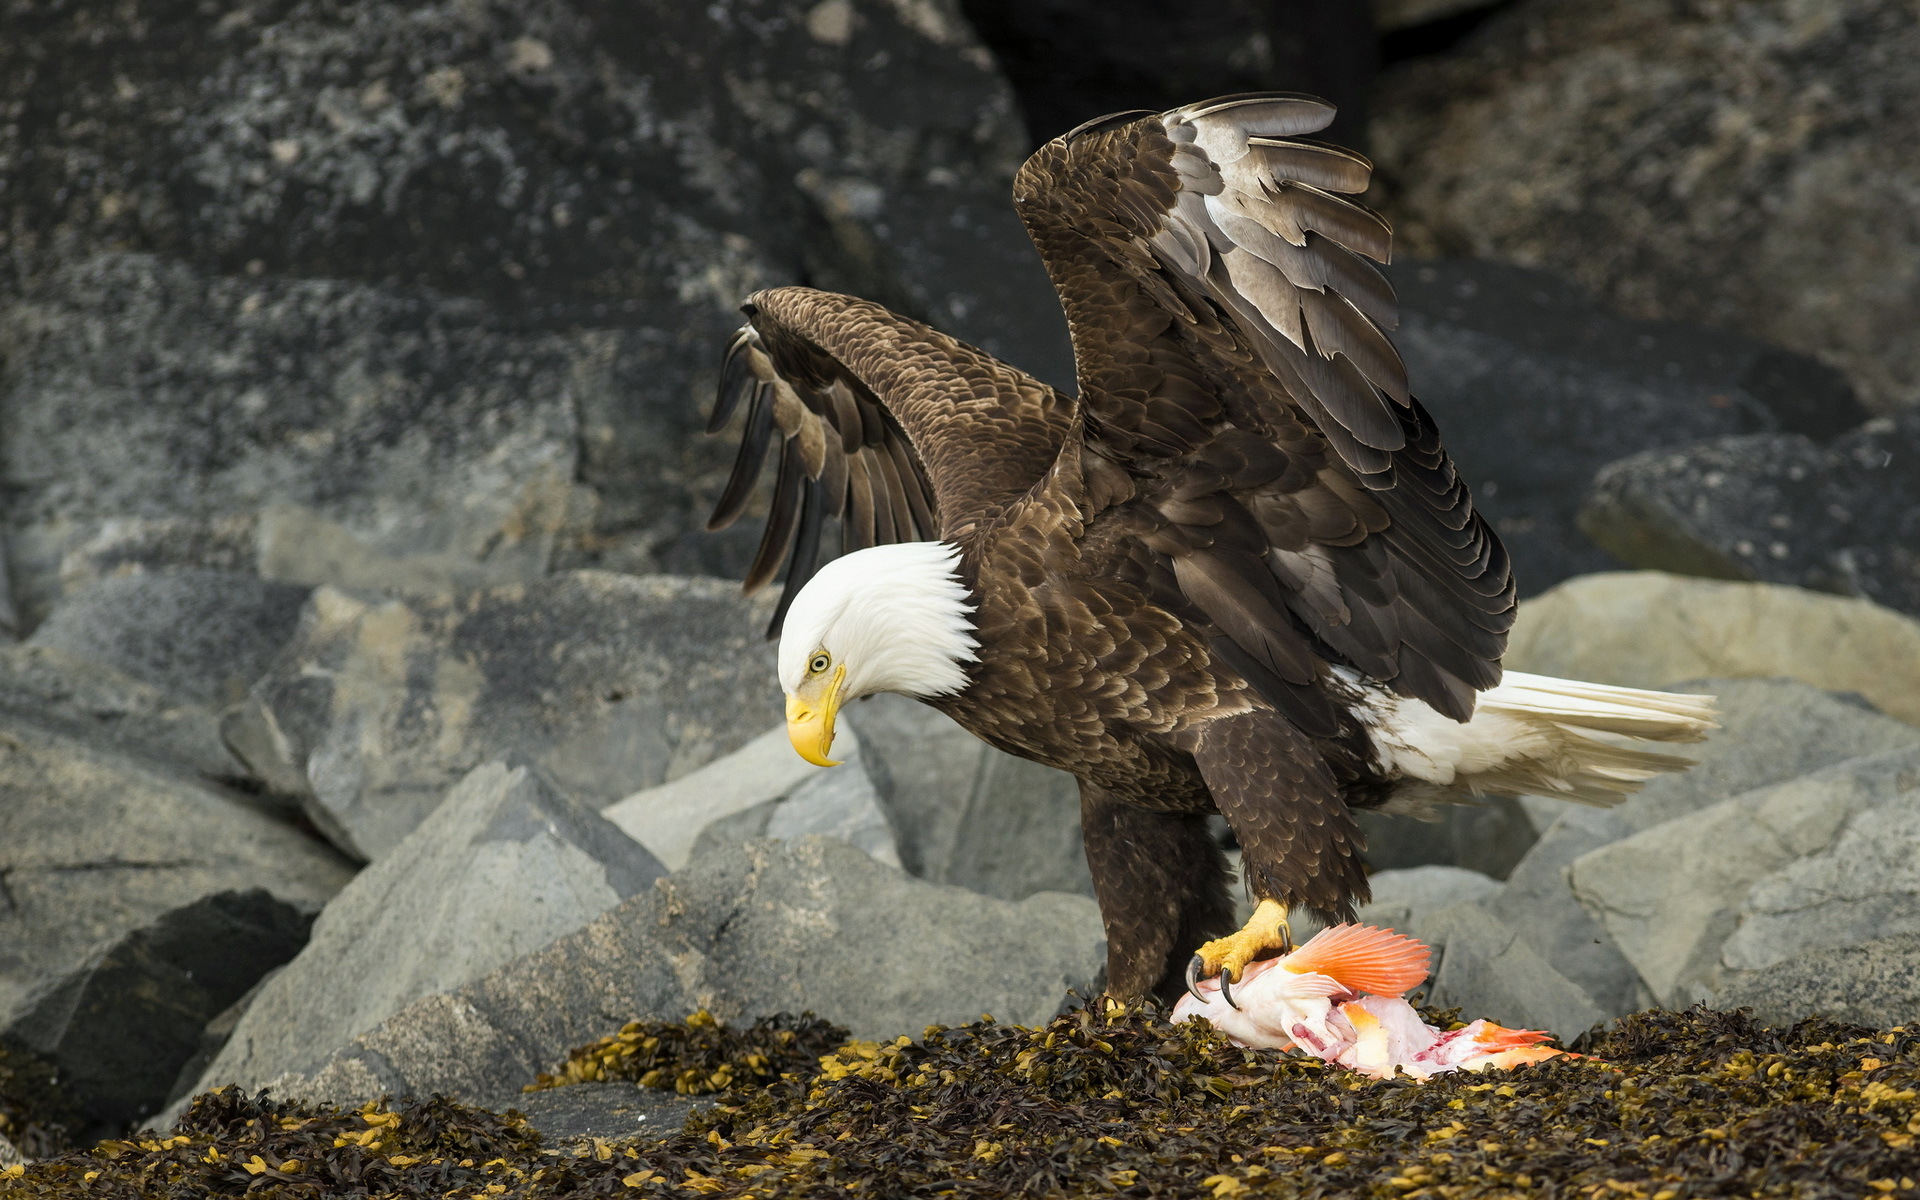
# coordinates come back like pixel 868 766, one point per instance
pixel 10 1155
pixel 772 926
pixel 1865 885
pixel 1538 387
pixel 1772 730
pixel 204 636
pixel 1778 508
pixel 1874 983
pixel 121 1025
pixel 359 435
pixel 606 1110
pixel 1646 629
pixel 925 766
pixel 96 704
pixel 214 1037
pixel 608 165
pixel 729 799
pixel 1617 142
pixel 95 845
pixel 1489 970
pixel 1019 833
pixel 965 813
pixel 1671 894
pixel 1487 837
pixel 608 682
pixel 572 166
pixel 1410 900
pixel 840 804
pixel 501 869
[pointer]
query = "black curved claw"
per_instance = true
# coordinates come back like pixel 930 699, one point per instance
pixel 1226 990
pixel 1194 966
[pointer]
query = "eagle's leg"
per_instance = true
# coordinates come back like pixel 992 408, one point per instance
pixel 1161 880
pixel 1299 843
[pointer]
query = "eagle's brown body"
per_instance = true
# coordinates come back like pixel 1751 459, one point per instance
pixel 1183 576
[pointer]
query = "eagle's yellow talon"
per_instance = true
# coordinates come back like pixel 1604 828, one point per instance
pixel 1266 931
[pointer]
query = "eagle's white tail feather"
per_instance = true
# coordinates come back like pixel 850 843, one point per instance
pixel 1538 735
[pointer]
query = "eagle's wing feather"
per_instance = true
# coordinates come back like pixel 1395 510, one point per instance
pixel 894 430
pixel 1231 340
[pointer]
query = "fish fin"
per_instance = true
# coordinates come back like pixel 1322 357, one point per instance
pixel 1518 1056
pixel 1499 1037
pixel 1364 959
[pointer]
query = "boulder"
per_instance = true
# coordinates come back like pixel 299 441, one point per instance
pixel 608 682
pixel 767 927
pixel 1844 518
pixel 1486 837
pixel 1671 894
pixel 120 1026
pixel 624 175
pixel 203 636
pixel 1488 969
pixel 502 868
pixel 1772 730
pixel 925 766
pixel 96 704
pixel 1536 387
pixel 95 845
pixel 1874 983
pixel 1646 629
pixel 1745 169
pixel 613 1109
pixel 737 790
pixel 1019 833
pixel 1409 900
pixel 1864 886
pixel 839 802
pixel 351 433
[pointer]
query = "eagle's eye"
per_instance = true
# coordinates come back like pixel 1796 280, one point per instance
pixel 820 663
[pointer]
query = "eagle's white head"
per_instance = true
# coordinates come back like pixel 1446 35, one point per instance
pixel 884 619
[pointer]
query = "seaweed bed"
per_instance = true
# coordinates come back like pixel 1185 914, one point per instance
pixel 1099 1102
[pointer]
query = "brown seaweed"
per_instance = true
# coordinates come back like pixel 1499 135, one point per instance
pixel 1112 1102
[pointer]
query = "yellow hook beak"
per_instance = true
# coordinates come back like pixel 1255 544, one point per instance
pixel 810 729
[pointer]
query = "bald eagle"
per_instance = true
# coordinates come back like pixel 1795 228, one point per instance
pixel 1235 574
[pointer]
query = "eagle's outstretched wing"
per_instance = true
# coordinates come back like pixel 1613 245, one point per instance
pixel 894 429
pixel 1264 449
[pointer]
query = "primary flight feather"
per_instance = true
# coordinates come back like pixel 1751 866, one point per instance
pixel 1237 573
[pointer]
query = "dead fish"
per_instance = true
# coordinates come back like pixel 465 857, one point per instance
pixel 1341 997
